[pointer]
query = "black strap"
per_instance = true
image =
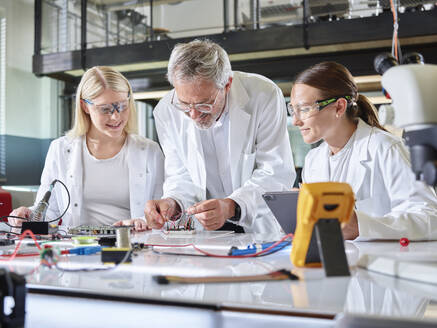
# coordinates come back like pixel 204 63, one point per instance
pixel 229 226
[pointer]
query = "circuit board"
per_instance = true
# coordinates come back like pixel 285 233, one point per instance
pixel 183 226
pixel 92 230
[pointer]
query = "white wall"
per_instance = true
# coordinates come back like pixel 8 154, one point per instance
pixel 30 101
pixel 188 17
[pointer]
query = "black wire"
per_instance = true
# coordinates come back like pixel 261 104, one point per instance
pixel 68 205
pixel 15 217
pixel 28 219
pixel 14 233
pixel 230 256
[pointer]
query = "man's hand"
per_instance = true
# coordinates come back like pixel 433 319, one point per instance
pixel 350 229
pixel 159 211
pixel 213 213
pixel 139 224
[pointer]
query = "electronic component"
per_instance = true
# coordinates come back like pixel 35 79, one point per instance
pixel 321 208
pixel 107 241
pixel 39 228
pixel 183 226
pixel 6 242
pixel 116 255
pixel 92 230
pixel 122 236
pixel 85 250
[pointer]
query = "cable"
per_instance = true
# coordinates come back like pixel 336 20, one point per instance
pixel 28 219
pixel 68 203
pixel 264 251
pixel 14 254
pixel 395 48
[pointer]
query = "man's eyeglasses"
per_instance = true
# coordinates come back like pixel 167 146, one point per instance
pixel 303 112
pixel 109 109
pixel 203 108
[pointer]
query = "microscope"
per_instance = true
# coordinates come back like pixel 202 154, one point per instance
pixel 412 88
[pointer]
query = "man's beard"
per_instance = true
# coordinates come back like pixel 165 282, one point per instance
pixel 206 124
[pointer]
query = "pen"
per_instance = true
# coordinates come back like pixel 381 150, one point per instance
pixel 255 248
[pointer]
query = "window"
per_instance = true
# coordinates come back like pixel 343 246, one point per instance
pixel 2 98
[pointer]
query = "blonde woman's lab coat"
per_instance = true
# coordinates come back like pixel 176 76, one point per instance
pixel 64 162
pixel 390 203
pixel 259 150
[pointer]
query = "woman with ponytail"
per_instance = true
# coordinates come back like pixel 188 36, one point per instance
pixel 390 203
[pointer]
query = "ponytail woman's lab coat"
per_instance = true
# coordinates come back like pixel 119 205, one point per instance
pixel 390 202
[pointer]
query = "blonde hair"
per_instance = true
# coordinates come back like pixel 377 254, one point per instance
pixel 93 83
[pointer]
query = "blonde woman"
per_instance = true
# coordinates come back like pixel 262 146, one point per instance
pixel 109 171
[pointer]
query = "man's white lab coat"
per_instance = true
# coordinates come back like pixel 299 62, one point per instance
pixel 259 150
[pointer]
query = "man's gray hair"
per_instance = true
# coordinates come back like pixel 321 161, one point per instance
pixel 199 59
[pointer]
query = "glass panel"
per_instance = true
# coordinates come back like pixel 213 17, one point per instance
pixel 118 22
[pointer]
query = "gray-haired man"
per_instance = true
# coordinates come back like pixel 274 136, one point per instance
pixel 225 142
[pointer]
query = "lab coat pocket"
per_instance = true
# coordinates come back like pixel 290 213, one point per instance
pixel 248 166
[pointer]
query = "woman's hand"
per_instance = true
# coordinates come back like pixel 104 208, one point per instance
pixel 350 229
pixel 23 212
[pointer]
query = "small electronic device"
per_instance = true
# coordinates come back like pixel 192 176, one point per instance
pixel 321 208
pixel 116 255
pixel 107 241
pixel 283 205
pixel 12 285
pixel 39 228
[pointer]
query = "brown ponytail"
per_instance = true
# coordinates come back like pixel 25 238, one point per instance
pixel 334 80
pixel 365 110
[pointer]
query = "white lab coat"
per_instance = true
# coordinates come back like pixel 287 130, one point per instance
pixel 390 203
pixel 260 153
pixel 64 162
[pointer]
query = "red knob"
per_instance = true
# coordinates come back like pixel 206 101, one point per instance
pixel 404 241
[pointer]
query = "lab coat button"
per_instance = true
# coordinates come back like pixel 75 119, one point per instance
pixel 75 204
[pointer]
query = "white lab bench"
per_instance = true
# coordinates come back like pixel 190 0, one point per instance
pixel 129 297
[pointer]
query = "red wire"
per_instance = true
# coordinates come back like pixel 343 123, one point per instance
pixel 395 32
pixel 227 256
pixel 24 234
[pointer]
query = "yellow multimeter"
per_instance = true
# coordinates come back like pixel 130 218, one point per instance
pixel 321 207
